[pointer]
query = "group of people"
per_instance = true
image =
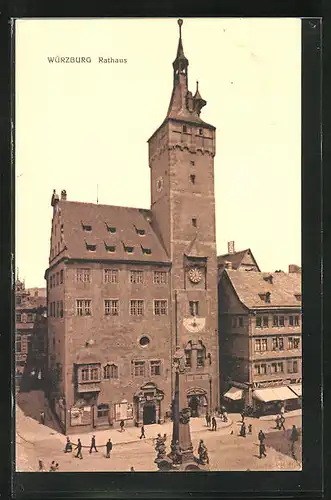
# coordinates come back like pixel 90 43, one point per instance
pixel 280 421
pixel 68 447
pixel 211 421
pixel 54 467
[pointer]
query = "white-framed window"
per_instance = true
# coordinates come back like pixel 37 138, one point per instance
pixel 83 275
pixel 292 366
pixel 110 371
pixel 260 369
pixel 111 275
pixel 293 343
pixel 155 367
pixel 160 277
pixel 83 307
pixel 136 276
pixel 160 307
pixel 139 368
pixel 261 345
pixel 277 343
pixel 277 367
pixel 136 307
pixel 89 373
pixel 111 307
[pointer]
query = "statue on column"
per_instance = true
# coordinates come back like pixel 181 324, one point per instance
pixel 179 360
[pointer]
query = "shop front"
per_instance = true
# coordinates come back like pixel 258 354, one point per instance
pixel 147 405
pixel 234 399
pixel 271 400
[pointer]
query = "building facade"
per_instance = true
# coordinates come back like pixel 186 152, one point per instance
pixel 260 336
pixel 126 286
pixel 30 331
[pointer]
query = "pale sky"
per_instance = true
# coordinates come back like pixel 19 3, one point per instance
pixel 79 125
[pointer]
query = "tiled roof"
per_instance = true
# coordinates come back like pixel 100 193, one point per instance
pixel 283 288
pixel 126 221
pixel 236 258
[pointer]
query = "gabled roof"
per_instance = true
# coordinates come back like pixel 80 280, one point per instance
pixel 248 286
pixel 125 222
pixel 237 258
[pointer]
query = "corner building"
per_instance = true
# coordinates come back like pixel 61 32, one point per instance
pixel 126 285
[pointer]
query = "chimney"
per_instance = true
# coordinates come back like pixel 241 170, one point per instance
pixel 63 195
pixel 293 268
pixel 231 247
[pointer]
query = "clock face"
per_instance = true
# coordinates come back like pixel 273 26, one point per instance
pixel 159 183
pixel 195 275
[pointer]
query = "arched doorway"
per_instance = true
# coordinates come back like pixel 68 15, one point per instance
pixel 149 413
pixel 197 401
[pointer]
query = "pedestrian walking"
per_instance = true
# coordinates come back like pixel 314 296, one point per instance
pixel 250 428
pixel 109 447
pixel 132 469
pixel 214 424
pixel 242 417
pixel 42 417
pixel 93 447
pixel 68 447
pixel 243 430
pixel 41 466
pixel 261 438
pixel 277 422
pixel 282 422
pixel 122 425
pixel 294 437
pixel 225 416
pixel 52 467
pixel 208 419
pixel 79 450
pixel 142 435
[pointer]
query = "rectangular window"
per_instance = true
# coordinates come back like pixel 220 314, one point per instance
pixel 83 307
pixel 155 368
pixel 89 373
pixel 280 367
pixel 188 359
pixel 111 276
pixel 260 369
pixel 57 309
pixel 257 345
pixel 261 345
pixel 264 345
pixel 293 342
pixel 136 307
pixel 159 277
pixel 61 308
pixel 160 307
pixel 194 307
pixel 241 321
pixel 291 320
pixel 136 277
pixel 292 366
pixel 87 227
pixel 85 374
pixel 51 282
pixel 139 368
pixel 94 374
pixel 192 178
pixel 295 366
pixel 200 358
pixel 111 307
pixel 83 275
pixel 281 321
pixel 275 321
pixel 265 321
pixel 281 343
pixel 194 222
pixel 110 371
pixel 296 321
pixel 258 322
pixel 57 278
pixel 30 318
pixel 18 317
pixel 61 276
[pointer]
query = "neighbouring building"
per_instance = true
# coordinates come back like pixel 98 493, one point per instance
pixel 260 339
pixel 30 331
pixel 243 260
pixel 125 286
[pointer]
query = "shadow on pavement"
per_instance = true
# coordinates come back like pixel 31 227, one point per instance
pixel 280 441
pixel 32 403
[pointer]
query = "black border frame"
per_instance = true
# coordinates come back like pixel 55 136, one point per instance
pixel 305 484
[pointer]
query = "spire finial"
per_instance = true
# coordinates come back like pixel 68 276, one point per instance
pixel 180 22
pixel 197 86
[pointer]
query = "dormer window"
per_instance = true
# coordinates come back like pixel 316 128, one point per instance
pixel 86 226
pixel 110 248
pixel 128 249
pixel 265 297
pixel 146 251
pixel 141 232
pixel 90 248
pixel 268 279
pixel 111 229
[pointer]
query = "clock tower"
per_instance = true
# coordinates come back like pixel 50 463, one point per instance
pixel 181 160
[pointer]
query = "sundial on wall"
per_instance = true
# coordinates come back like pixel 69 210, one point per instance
pixel 194 324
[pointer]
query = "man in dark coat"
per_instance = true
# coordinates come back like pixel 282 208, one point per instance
pixel 68 447
pixel 79 450
pixel 214 424
pixel 142 435
pixel 93 447
pixel 122 425
pixel 261 437
pixel 109 447
pixel 294 438
pixel 243 430
pixel 282 422
pixel 208 419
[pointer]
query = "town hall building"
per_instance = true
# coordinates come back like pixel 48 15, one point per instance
pixel 126 286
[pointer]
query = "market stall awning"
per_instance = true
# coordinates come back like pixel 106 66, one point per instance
pixel 274 394
pixel 297 389
pixel 234 393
